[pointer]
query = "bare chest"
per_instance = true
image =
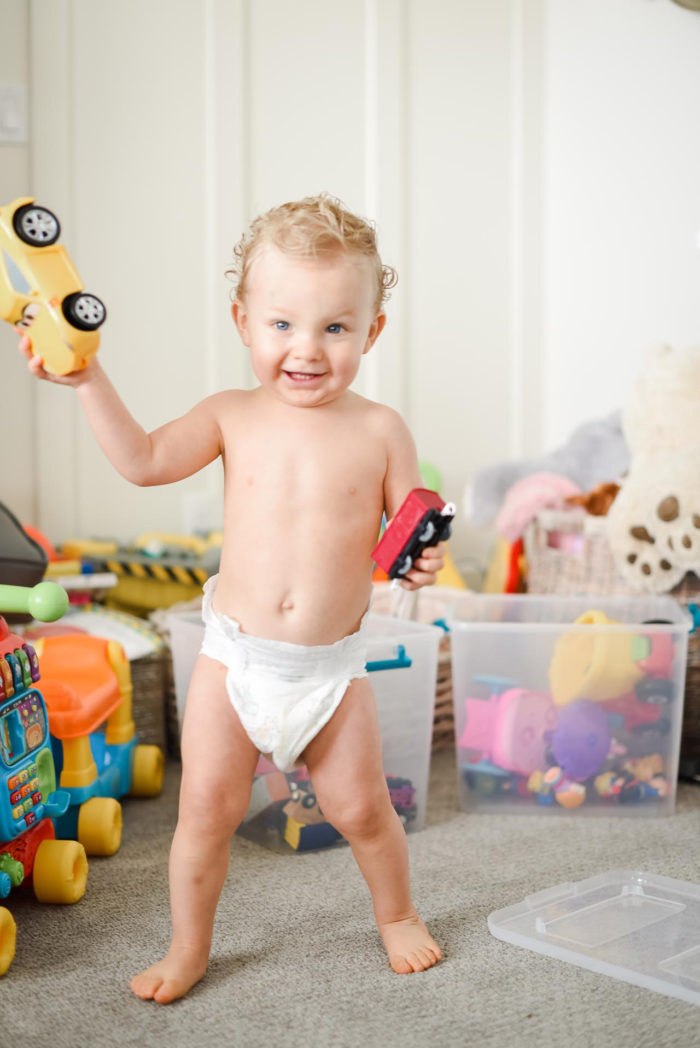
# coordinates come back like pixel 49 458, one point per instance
pixel 308 466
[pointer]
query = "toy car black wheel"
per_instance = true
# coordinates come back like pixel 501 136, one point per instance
pixel 427 532
pixel 405 566
pixel 83 311
pixel 653 729
pixel 655 690
pixel 446 532
pixel 36 225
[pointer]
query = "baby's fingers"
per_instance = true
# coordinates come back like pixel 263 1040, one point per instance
pixel 34 361
pixel 36 366
pixel 25 343
pixel 431 559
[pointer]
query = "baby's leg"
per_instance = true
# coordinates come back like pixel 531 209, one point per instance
pixel 345 764
pixel 218 764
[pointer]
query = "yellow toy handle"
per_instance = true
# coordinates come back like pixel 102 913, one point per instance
pixel 77 548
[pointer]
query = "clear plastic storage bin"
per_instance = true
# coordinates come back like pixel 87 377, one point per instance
pixel 402 660
pixel 568 703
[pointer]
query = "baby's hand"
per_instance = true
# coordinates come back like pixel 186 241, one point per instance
pixel 74 378
pixel 426 568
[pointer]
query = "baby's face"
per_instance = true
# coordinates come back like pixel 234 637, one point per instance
pixel 307 323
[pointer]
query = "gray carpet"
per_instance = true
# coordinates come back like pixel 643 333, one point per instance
pixel 297 960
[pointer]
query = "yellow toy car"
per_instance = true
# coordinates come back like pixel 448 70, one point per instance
pixel 39 287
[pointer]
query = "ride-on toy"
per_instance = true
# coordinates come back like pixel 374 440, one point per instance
pixel 86 683
pixel 29 799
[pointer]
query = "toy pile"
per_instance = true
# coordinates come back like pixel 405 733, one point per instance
pixel 284 814
pixel 602 733
pixel 580 478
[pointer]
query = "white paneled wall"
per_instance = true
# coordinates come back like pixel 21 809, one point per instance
pixel 622 204
pixel 17 487
pixel 533 178
pixel 157 149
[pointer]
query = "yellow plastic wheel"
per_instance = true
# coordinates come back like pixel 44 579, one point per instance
pixel 8 939
pixel 147 771
pixel 60 871
pixel 100 825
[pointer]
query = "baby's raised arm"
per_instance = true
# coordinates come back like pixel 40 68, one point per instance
pixel 172 452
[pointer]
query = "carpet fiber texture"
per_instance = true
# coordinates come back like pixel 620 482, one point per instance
pixel 296 957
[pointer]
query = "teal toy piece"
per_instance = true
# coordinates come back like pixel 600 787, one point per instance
pixel 401 662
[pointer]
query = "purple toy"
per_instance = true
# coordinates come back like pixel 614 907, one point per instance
pixel 581 741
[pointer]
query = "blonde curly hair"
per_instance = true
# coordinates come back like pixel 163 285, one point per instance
pixel 313 227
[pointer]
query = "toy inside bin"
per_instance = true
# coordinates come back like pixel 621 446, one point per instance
pixel 564 704
pixel 402 662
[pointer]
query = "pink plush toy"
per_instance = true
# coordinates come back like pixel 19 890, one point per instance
pixel 527 497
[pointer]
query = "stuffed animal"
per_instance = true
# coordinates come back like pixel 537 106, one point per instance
pixel 595 452
pixel 527 497
pixel 654 523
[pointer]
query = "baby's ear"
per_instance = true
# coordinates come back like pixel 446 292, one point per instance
pixel 240 319
pixel 375 331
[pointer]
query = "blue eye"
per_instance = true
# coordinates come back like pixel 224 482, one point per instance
pixel 282 325
pixel 334 329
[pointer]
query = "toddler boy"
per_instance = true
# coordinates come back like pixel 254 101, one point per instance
pixel 309 467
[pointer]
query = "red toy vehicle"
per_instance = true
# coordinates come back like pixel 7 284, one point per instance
pixel 422 520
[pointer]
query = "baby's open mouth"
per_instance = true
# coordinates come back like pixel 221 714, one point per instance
pixel 303 376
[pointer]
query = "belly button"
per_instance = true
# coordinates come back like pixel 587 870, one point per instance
pixel 287 605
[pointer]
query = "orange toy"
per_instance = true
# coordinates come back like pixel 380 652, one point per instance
pixel 86 683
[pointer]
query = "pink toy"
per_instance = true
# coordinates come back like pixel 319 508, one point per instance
pixel 509 729
pixel 527 497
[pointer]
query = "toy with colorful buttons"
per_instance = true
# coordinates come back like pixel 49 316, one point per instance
pixel 29 800
pixel 86 682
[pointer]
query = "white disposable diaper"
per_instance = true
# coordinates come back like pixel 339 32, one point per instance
pixel 283 693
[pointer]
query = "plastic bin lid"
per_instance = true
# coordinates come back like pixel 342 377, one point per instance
pixel 635 926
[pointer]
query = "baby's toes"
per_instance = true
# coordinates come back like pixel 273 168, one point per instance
pixel 427 957
pixel 400 965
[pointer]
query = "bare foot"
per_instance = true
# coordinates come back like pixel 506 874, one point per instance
pixel 170 978
pixel 409 945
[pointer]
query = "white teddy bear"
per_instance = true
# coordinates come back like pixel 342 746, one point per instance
pixel 654 523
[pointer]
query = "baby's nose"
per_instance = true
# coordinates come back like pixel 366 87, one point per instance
pixel 308 346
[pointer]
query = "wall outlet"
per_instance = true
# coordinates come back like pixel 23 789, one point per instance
pixel 13 114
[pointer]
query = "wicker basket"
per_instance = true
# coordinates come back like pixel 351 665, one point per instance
pixel 567 554
pixel 159 622
pixel 148 704
pixel 444 716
